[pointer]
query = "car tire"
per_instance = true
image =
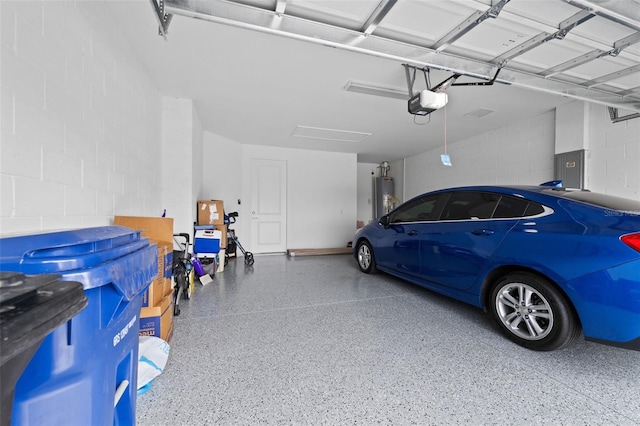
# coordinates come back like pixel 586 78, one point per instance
pixel 366 259
pixel 533 313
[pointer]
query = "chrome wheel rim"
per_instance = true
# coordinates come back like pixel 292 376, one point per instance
pixel 364 256
pixel 524 311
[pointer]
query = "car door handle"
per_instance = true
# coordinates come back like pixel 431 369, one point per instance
pixel 412 233
pixel 482 232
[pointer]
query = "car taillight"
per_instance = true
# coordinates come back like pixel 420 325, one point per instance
pixel 632 240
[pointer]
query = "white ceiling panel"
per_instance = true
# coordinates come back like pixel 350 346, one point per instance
pixel 475 38
pixel 603 31
pixel 549 13
pixel 422 23
pixel 550 54
pixel 632 51
pixel 262 4
pixel 293 58
pixel 350 14
pixel 626 83
pixel 493 38
pixel 601 67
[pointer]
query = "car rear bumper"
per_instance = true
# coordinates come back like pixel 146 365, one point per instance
pixel 608 304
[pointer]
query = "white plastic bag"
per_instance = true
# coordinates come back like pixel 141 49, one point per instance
pixel 153 353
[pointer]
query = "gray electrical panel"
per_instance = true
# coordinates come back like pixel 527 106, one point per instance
pixel 569 166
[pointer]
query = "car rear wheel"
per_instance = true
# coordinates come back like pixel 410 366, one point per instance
pixel 533 313
pixel 366 260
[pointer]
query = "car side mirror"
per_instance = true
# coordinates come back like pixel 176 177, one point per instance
pixel 384 221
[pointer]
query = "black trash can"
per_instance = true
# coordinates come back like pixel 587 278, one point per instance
pixel 30 308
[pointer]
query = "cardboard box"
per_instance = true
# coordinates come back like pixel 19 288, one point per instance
pixel 223 239
pixel 165 250
pixel 158 288
pixel 154 294
pixel 154 228
pixel 210 212
pixel 158 320
pixel 168 286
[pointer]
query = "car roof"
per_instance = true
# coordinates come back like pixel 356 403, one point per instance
pixel 546 192
pixel 500 188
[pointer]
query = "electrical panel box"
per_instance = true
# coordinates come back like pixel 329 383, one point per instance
pixel 569 166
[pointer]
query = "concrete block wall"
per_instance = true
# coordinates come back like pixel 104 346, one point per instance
pixel 182 161
pixel 613 154
pixel 80 120
pixel 522 153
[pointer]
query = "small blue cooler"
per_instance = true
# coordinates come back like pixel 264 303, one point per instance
pixel 85 371
pixel 207 241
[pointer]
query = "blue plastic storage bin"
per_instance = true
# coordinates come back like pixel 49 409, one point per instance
pixel 85 371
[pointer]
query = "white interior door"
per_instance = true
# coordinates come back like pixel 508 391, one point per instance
pixel 268 206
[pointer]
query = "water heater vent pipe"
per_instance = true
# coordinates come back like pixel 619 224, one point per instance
pixel 384 168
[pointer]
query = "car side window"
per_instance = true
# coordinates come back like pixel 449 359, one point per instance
pixel 470 205
pixel 418 210
pixel 510 207
pixel 533 209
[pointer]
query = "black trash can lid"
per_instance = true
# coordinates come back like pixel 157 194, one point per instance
pixel 33 306
pixel 15 286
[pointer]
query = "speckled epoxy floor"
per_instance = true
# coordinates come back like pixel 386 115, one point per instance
pixel 312 340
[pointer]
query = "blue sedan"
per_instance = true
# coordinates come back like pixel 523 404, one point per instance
pixel 546 263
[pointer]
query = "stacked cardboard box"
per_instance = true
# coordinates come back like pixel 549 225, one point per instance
pixel 211 212
pixel 223 239
pixel 156 316
pixel 161 286
pixel 158 320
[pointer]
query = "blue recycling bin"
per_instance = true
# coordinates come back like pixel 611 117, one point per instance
pixel 85 371
pixel 30 308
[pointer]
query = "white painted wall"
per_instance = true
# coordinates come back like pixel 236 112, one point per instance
pixel 321 195
pixel 80 121
pixel 86 136
pixel 197 162
pixel 613 154
pixel 366 173
pixel 521 153
pixel 612 164
pixel 396 171
pixel 321 190
pixel 572 127
pixel 222 171
pixel 182 148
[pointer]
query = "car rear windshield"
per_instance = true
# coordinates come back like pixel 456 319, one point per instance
pixel 602 200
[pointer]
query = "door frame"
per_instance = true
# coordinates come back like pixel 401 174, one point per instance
pixel 251 162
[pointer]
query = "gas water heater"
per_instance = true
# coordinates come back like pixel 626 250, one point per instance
pixel 383 199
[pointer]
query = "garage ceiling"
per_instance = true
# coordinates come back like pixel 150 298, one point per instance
pixel 274 72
